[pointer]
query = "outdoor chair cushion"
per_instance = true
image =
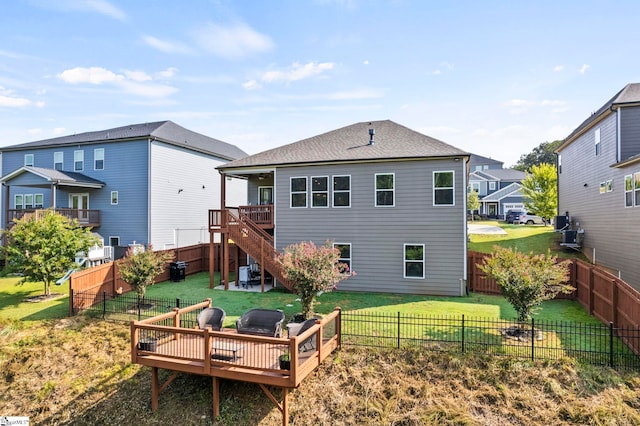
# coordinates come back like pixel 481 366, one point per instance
pixel 211 317
pixel 262 322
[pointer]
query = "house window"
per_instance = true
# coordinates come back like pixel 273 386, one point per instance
pixel 597 140
pixel 610 185
pixel 78 160
pixel 342 191
pixel 636 188
pixel 28 201
pixel 39 201
pixel 474 186
pixel 414 260
pixel 98 159
pixel 114 197
pixel 28 160
pixel 559 163
pixel 345 255
pixel 492 186
pixel 58 160
pixel 628 191
pixel 443 188
pixel 603 187
pixel 18 202
pixel 114 241
pixel 385 189
pixel 319 191
pixel 298 192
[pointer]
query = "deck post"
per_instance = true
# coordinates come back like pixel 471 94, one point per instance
pixel 285 406
pixel 155 391
pixel 216 397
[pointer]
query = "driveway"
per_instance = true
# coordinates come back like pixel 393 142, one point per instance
pixel 485 229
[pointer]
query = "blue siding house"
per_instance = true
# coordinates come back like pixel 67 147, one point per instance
pixel 149 183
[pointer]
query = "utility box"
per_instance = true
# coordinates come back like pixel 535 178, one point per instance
pixel 243 275
pixel 177 271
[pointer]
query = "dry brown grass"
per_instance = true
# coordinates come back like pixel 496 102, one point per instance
pixel 78 371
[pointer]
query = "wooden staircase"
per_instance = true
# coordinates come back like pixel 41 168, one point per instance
pixel 256 242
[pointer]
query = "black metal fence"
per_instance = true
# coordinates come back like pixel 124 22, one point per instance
pixel 596 343
pixel 589 343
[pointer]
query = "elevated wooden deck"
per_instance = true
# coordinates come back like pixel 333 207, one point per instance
pixel 161 343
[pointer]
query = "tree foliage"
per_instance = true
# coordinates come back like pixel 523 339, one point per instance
pixel 312 269
pixel 540 190
pixel 43 247
pixel 473 202
pixel 527 280
pixel 140 268
pixel 543 153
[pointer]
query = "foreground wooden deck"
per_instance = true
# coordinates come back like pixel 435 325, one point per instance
pixel 161 343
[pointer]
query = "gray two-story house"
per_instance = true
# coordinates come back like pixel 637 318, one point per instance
pixel 149 183
pixel 599 183
pixel 392 200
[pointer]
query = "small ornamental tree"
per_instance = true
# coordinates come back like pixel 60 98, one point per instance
pixel 527 280
pixel 139 268
pixel 473 203
pixel 44 247
pixel 312 270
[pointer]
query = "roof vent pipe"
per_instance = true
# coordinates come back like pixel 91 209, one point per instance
pixel 371 133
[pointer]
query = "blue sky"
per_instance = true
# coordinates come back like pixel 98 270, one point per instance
pixel 495 78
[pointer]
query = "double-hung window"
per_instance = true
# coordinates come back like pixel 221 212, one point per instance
pixel 636 188
pixel 342 191
pixel 319 191
pixel 28 160
pixel 414 261
pixel 385 189
pixel 114 197
pixel 78 160
pixel 298 192
pixel 28 201
pixel 628 191
pixel 345 255
pixel 18 202
pixel 58 160
pixel 596 137
pixel 443 191
pixel 39 201
pixel 98 159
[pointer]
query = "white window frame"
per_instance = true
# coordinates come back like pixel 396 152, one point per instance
pixel 16 203
pixel 58 158
pixel 340 191
pixel 98 155
pixel 376 190
pixel 636 189
pixel 405 261
pixel 474 186
pixel 78 159
pixel 29 160
pixel 325 192
pixel 610 185
pixel 28 202
pixel 603 187
pixel 559 163
pixel 628 191
pixel 116 198
pixel 38 201
pixel 492 186
pixel 113 238
pixel 596 137
pixel 447 188
pixel 292 192
pixel 347 260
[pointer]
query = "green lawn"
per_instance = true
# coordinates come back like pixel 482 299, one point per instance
pixel 14 304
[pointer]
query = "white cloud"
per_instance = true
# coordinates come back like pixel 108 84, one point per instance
pixel 583 69
pixel 519 106
pixel 167 74
pixel 105 8
pixel 135 82
pixel 558 68
pixel 251 85
pixel 232 42
pixel 365 62
pixel 10 100
pixel 297 72
pixel 166 46
pixel 102 7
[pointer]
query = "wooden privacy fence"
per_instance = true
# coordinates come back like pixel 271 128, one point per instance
pixel 601 293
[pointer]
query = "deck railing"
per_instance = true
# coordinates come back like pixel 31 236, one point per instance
pixel 84 216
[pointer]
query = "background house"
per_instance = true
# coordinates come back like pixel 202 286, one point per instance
pixel 498 189
pixel 149 183
pixel 391 199
pixel 599 183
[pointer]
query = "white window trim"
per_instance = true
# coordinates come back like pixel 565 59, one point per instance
pixel 348 258
pixel 453 188
pixel 30 196
pixel 117 198
pixel 15 201
pixel 76 154
pixel 114 237
pixel 635 189
pixel 492 185
pixel 36 204
pixel 404 261
pixel 95 159
pixel 333 191
pixel 628 191
pixel 319 192
pixel 306 192
pixel 61 162
pixel 31 163
pixel 375 190
pixel 598 146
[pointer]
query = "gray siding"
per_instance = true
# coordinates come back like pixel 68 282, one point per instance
pixel 630 132
pixel 377 234
pixel 611 232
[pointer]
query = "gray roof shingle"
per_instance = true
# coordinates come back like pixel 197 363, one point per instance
pixel 351 143
pixel 52 175
pixel 165 131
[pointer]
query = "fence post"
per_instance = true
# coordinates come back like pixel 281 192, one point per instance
pixel 611 344
pixel 462 333
pixel 398 330
pixel 104 304
pixel 533 339
pixel 71 301
pixel 177 302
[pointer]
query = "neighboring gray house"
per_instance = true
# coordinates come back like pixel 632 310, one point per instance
pixel 599 183
pixel 149 183
pixel 391 199
pixel 498 190
pixel 479 163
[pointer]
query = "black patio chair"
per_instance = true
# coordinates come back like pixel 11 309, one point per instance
pixel 211 317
